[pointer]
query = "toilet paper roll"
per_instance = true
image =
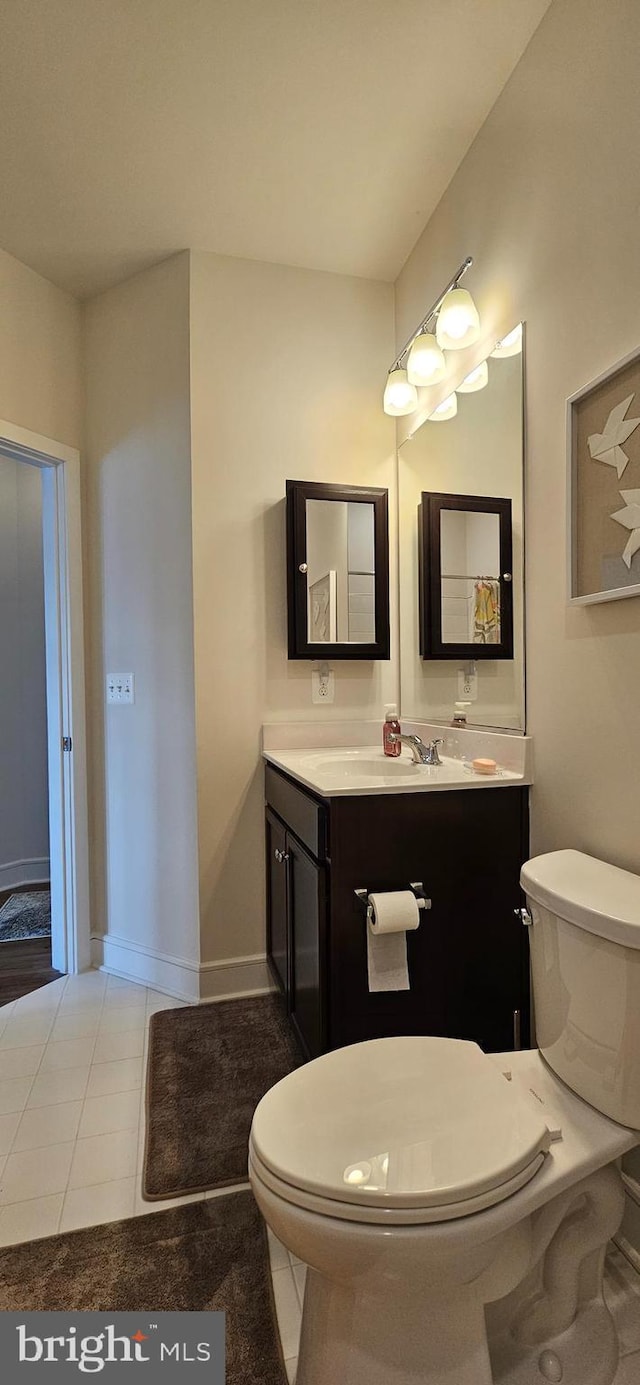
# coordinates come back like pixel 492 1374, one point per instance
pixel 395 911
pixel 389 916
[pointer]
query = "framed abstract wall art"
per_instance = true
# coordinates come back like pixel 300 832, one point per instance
pixel 603 468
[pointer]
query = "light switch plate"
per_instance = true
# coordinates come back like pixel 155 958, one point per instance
pixel 120 688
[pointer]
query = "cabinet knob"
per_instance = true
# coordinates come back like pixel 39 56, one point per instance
pixel 303 567
pixel 507 577
pixel 281 855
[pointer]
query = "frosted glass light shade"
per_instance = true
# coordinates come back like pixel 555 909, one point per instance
pixel 400 396
pixel 511 345
pixel 447 409
pixel 458 322
pixel 426 363
pixel 475 380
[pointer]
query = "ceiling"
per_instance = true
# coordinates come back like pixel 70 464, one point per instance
pixel 319 133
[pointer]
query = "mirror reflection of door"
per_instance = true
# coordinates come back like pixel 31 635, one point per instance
pixel 340 572
pixel 470 566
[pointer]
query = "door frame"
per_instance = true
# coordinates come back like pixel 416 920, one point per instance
pixel 66 718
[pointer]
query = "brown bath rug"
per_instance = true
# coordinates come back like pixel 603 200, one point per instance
pixel 209 1255
pixel 209 1066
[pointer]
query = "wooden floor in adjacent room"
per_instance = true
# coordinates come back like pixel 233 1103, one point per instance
pixel 24 967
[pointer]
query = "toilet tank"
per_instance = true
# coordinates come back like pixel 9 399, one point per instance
pixel 585 961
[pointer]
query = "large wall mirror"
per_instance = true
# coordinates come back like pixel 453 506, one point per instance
pixel 338 571
pixel 461 500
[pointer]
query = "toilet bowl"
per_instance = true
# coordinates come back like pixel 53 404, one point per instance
pixel 454 1208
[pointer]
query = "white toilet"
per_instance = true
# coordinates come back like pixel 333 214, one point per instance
pixel 453 1207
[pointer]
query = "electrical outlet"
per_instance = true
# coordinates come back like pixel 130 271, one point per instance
pixel 322 684
pixel 468 684
pixel 120 688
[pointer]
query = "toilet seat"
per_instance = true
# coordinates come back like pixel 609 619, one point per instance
pixel 402 1131
pixel 390 1215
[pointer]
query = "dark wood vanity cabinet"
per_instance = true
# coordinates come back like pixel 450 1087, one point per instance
pixel 297 872
pixel 468 960
pixel 277 923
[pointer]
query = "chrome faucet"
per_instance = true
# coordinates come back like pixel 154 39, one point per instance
pixel 422 754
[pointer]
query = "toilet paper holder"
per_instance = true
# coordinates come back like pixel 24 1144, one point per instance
pixel 416 885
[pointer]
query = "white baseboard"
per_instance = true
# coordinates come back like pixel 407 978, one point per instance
pixel 135 962
pixel 235 977
pixel 33 871
pixel 191 981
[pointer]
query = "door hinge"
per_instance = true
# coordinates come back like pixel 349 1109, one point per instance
pixel 67 744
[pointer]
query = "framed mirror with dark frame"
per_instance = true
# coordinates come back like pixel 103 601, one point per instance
pixel 337 571
pixel 465 577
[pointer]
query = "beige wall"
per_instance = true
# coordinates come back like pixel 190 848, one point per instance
pixel 40 369
pixel 547 203
pixel 287 371
pixel 138 535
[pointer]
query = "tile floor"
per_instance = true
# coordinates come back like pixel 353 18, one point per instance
pixel 72 1115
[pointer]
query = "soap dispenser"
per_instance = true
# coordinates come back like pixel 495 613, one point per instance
pixel 460 713
pixel 391 724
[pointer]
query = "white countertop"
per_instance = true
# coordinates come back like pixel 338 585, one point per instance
pixel 334 771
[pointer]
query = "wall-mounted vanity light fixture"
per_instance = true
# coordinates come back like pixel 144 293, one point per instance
pixel 458 322
pixel 421 362
pixel 400 396
pixel 426 364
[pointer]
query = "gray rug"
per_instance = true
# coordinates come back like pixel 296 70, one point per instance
pixel 209 1066
pixel 208 1255
pixel 26 915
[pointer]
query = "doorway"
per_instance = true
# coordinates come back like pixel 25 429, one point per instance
pixel 25 910
pixel 51 758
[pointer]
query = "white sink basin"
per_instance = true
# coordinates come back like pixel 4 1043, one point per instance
pixel 367 770
pixel 353 765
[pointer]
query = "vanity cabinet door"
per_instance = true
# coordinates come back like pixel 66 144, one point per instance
pixel 307 925
pixel 468 959
pixel 277 924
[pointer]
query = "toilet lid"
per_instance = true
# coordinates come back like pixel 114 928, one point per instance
pixel 407 1122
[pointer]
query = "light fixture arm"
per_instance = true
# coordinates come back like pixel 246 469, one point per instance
pixel 453 284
